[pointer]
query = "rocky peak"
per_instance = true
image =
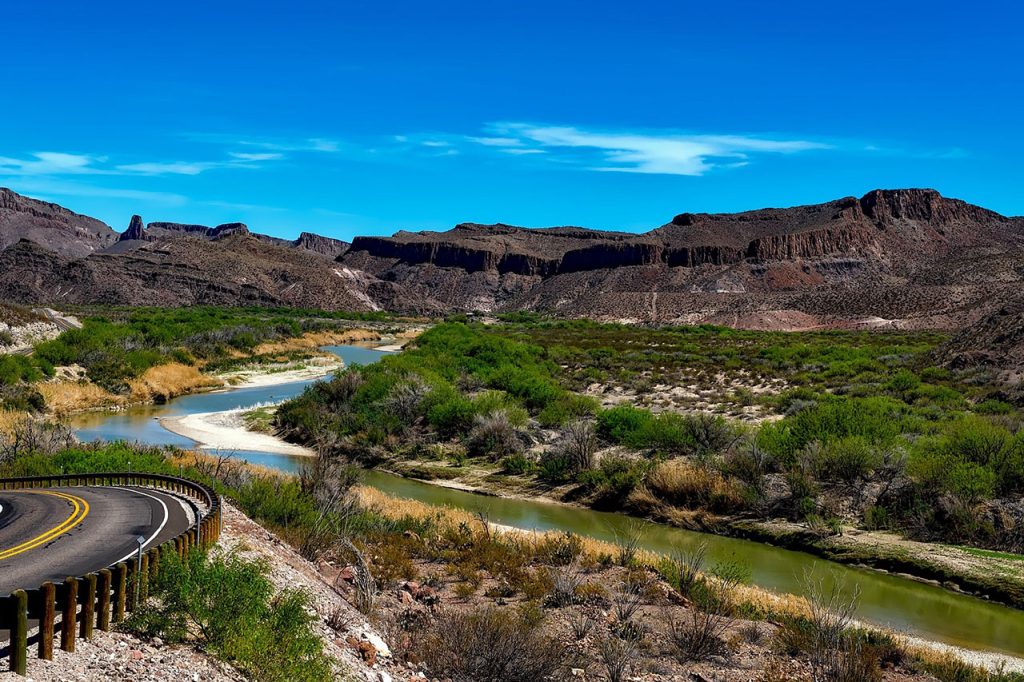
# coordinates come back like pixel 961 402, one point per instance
pixel 228 228
pixel 136 230
pixel 325 246
pixel 889 206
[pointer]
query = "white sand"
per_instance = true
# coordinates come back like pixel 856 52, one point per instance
pixel 226 431
pixel 313 368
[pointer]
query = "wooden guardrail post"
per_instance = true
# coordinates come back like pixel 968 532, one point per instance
pixel 69 602
pixel 19 630
pixel 143 578
pixel 132 576
pixel 103 607
pixel 88 593
pixel 47 614
pixel 154 564
pixel 121 588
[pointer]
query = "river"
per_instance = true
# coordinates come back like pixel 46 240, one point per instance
pixel 904 605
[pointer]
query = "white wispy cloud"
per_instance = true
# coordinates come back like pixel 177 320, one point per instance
pixel 256 156
pixel 60 164
pixel 666 153
pixel 50 163
pixel 496 141
pixel 171 167
pixel 50 187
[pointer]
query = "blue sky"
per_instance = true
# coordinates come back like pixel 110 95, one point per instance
pixel 350 118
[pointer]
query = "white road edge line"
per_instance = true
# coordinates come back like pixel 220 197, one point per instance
pixel 152 537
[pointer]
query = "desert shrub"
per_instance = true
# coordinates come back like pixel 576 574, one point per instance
pixel 578 444
pixel 555 467
pixel 405 399
pixel 494 435
pixel 565 587
pixel 700 633
pixel 623 424
pixel 993 406
pixel 230 605
pixel 847 459
pixel 708 433
pixel 877 420
pixel 876 518
pixel 452 416
pixel 618 656
pixel 568 407
pixel 903 382
pixel 518 463
pixel 749 462
pixel 16 369
pixel 614 478
pixel 6 338
pixel 489 645
pixel 22 398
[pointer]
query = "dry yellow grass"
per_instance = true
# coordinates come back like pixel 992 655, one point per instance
pixel 311 340
pixel 67 396
pixel 10 420
pixel 163 382
pixel 681 483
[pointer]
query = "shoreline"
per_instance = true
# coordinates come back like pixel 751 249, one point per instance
pixel 315 368
pixel 226 431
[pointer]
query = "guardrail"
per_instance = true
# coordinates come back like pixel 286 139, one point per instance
pixel 103 597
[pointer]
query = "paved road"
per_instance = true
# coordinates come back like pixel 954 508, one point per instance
pixel 49 534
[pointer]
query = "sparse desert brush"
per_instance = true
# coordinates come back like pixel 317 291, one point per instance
pixel 163 382
pixel 63 397
pixel 489 644
pixel 685 484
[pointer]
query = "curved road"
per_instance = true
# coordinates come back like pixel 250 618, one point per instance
pixel 51 533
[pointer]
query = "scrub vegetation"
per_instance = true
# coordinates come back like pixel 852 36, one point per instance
pixel 851 428
pixel 461 600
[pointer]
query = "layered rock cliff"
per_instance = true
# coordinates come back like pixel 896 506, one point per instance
pixel 897 258
pixel 902 247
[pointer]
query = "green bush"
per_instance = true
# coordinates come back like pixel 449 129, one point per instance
pixel 518 464
pixel 877 420
pixel 615 477
pixel 847 459
pixel 230 603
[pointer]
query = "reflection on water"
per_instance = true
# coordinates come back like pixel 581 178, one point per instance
pixel 916 608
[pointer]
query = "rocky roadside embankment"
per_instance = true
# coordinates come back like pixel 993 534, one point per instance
pixel 115 656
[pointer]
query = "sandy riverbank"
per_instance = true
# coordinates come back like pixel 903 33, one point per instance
pixel 312 368
pixel 226 431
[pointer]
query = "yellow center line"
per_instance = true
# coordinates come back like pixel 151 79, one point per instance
pixel 81 510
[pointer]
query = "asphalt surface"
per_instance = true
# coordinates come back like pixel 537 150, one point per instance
pixel 49 534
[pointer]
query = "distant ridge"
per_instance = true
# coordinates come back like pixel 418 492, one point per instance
pixel 903 258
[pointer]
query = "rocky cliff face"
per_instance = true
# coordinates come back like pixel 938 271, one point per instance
pixel 50 226
pixel 900 246
pixel 163 229
pixel 324 246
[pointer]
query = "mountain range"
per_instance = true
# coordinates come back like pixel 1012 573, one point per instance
pixel 904 258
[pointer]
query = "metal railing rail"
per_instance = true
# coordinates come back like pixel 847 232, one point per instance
pixel 97 599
